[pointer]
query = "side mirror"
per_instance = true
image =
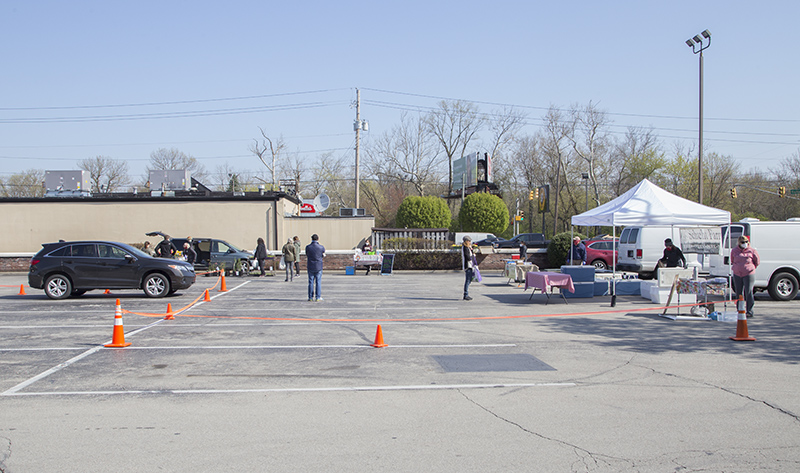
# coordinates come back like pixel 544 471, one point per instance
pixel 129 258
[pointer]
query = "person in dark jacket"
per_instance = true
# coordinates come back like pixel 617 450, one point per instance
pixel 673 256
pixel 261 256
pixel 523 251
pixel 189 253
pixel 577 252
pixel 468 262
pixel 166 249
pixel 314 254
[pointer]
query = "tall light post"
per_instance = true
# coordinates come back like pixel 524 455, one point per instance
pixel 700 43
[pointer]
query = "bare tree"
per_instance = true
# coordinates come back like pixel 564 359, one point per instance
pixel 455 125
pixel 554 146
pixel 268 152
pixel 638 156
pixel 174 159
pixel 331 175
pixel 589 138
pixel 105 174
pixel 28 183
pixel 504 125
pixel 407 153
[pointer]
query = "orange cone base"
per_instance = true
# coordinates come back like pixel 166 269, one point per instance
pixel 379 339
pixel 207 298
pixel 118 338
pixel 169 312
pixel 22 290
pixel 741 332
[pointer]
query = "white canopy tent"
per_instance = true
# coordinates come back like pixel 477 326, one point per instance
pixel 647 204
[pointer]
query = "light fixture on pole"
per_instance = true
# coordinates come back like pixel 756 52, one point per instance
pixel 700 43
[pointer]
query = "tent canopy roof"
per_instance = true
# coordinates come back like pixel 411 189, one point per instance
pixel 647 204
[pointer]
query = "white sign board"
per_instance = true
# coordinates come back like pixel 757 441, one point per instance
pixel 701 240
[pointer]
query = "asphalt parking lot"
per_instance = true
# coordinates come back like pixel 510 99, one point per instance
pixel 260 379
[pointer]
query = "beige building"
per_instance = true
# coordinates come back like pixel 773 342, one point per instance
pixel 239 220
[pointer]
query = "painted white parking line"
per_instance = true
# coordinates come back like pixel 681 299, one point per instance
pixel 270 347
pixel 424 387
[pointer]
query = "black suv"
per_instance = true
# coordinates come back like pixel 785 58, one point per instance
pixel 70 268
pixel 532 240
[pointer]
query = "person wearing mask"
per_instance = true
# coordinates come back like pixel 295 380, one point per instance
pixel 744 261
pixel 314 254
pixel 468 263
pixel 148 248
pixel 523 251
pixel 297 247
pixel 261 256
pixel 577 252
pixel 673 256
pixel 289 257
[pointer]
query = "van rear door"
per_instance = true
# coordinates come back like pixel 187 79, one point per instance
pixel 718 264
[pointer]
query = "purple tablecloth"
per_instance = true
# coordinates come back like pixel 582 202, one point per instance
pixel 544 280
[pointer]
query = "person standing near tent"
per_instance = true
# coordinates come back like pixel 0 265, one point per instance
pixel 577 252
pixel 744 261
pixel 672 256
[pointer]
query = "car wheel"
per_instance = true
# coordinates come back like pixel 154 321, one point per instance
pixel 156 285
pixel 783 287
pixel 599 264
pixel 58 286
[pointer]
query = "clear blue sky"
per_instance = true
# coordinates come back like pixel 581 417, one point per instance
pixel 121 79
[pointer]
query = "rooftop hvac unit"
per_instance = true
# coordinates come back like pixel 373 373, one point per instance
pixel 170 180
pixel 352 212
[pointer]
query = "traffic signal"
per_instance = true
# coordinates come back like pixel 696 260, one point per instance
pixel 531 195
pixel 733 192
pixel 521 215
pixel 782 191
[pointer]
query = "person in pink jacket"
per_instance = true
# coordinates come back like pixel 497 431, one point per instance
pixel 744 261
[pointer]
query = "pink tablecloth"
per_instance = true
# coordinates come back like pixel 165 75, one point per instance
pixel 545 280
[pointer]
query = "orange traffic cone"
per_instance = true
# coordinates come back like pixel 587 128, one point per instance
pixel 107 291
pixel 207 298
pixel 741 324
pixel 118 336
pixel 22 290
pixel 379 339
pixel 169 312
pixel 222 287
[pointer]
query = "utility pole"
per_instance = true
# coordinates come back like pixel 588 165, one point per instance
pixel 357 126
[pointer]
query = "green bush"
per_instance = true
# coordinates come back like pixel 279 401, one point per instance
pixel 558 248
pixel 483 212
pixel 423 212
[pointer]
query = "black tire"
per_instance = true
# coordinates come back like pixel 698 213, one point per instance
pixel 599 264
pixel 783 287
pixel 58 286
pixel 156 285
pixel 78 292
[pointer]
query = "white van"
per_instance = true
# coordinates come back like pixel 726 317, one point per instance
pixel 777 246
pixel 640 248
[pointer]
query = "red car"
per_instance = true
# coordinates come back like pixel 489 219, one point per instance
pixel 601 253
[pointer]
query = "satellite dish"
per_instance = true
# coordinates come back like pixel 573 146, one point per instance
pixel 322 202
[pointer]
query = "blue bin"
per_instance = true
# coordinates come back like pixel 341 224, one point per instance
pixel 582 290
pixel 350 270
pixel 579 273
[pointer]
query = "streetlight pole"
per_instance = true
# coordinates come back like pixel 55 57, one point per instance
pixel 698 46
